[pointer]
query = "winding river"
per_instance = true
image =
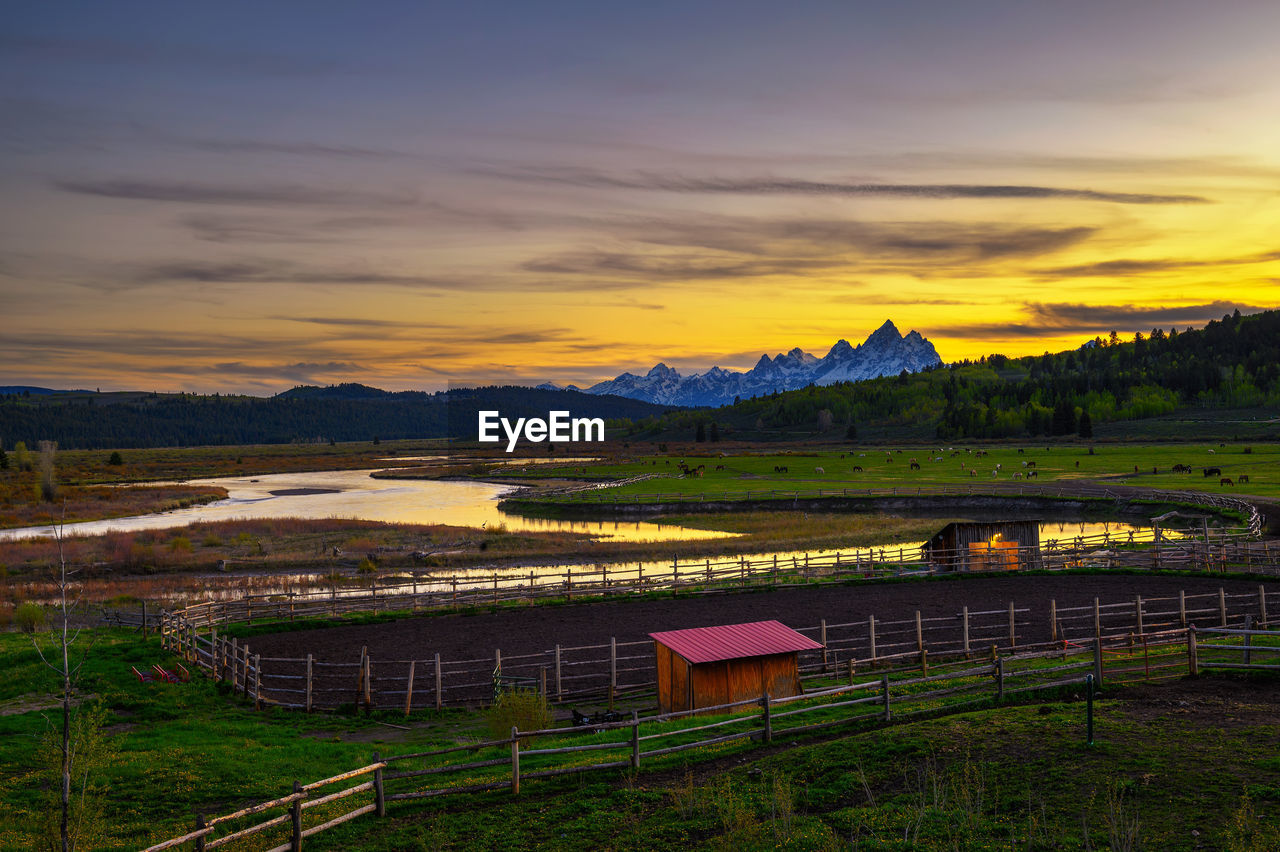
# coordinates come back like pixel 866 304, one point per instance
pixel 356 494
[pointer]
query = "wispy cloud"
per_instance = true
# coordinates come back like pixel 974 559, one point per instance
pixel 247 194
pixel 648 266
pixel 795 186
pixel 1049 319
pixel 1131 266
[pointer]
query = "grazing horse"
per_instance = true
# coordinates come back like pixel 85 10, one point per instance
pixel 1033 473
pixel 915 465
pixel 1225 481
pixel 1021 451
pixel 1077 462
pixel 973 472
pixel 719 467
pixel 1018 475
pixel 818 470
pixel 1031 464
pixel 1242 478
pixel 1212 471
pixel 857 468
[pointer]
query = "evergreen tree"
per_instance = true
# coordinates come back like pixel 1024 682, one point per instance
pixel 701 434
pixel 1086 425
pixel 715 432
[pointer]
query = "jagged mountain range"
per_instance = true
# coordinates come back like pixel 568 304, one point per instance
pixel 885 352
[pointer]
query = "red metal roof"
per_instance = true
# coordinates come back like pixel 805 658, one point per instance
pixel 733 641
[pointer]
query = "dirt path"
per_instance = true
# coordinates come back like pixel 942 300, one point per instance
pixel 537 628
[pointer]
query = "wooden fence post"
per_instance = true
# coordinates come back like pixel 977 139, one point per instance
pixel 1053 619
pixel 1097 662
pixel 244 676
pixel 144 620
pixel 1182 607
pixel 310 662
pixel 368 683
pixel 364 650
pixel 823 641
pixel 1137 612
pixel 515 762
pixel 964 615
pixel 1262 606
pixel 871 627
pixel 542 681
pixel 884 691
pixel 559 693
pixel 408 692
pixel 257 681
pixel 613 669
pixel 768 720
pixel 235 662
pixel 295 814
pixel 439 679
pixel 1013 627
pixel 999 679
pixel 1248 638
pixel 1097 626
pixel 1193 656
pixel 379 796
pixel 1222 605
pixel 199 825
pixel 635 740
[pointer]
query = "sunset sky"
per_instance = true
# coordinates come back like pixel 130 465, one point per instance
pixel 248 196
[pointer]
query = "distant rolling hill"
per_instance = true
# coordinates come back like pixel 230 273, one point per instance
pixel 351 412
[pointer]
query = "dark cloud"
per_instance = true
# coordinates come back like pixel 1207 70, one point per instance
pixel 715 248
pixel 827 237
pixel 1073 318
pixel 1128 266
pixel 794 186
pixel 255 194
pixel 273 272
pixel 648 266
pixel 301 371
pixel 355 322
pixel 293 149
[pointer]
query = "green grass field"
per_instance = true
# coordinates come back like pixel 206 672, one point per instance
pixel 1192 756
pixel 746 471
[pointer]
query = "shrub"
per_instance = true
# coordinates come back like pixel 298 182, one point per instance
pixel 29 617
pixel 525 709
pixel 211 540
pixel 116 459
pixel 180 544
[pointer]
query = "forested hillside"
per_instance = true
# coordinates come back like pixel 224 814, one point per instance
pixel 1230 364
pixel 83 420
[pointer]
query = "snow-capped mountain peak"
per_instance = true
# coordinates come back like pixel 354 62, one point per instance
pixel 885 352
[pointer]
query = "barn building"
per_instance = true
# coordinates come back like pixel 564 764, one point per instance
pixel 708 666
pixel 985 546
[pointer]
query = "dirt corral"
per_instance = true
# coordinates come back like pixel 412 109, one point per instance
pixel 527 637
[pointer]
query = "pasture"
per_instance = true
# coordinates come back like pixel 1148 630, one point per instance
pixel 737 471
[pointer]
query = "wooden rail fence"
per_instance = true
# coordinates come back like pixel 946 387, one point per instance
pixel 607 671
pixel 635 744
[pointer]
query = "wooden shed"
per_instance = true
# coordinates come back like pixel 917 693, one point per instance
pixel 985 546
pixel 708 666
